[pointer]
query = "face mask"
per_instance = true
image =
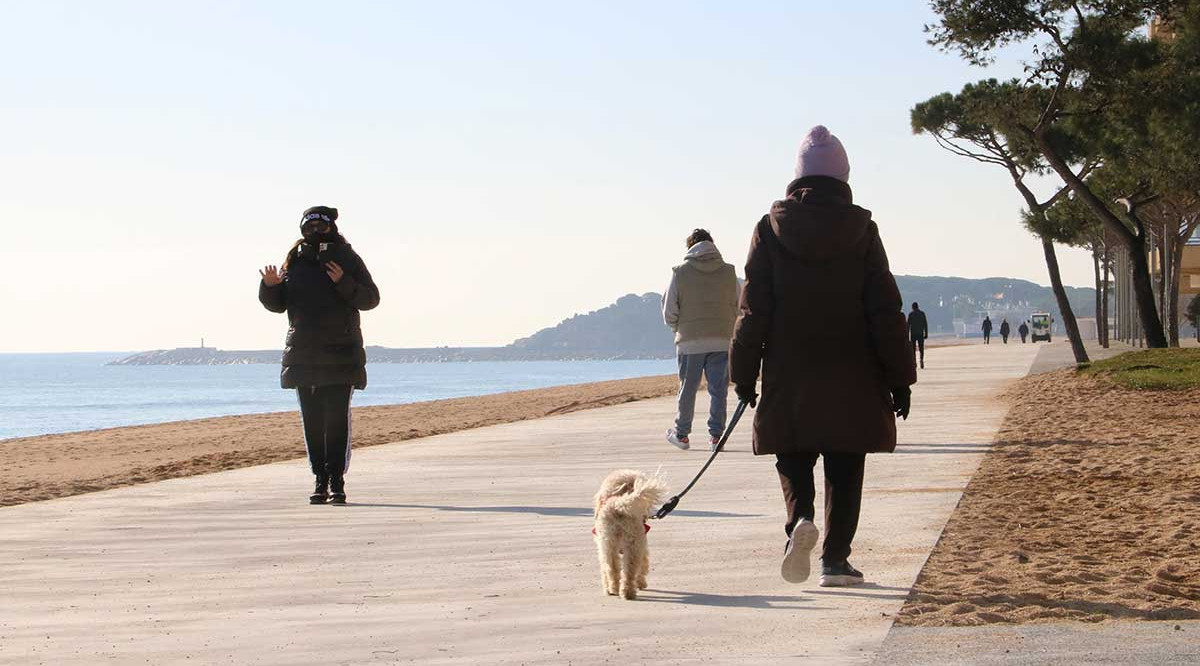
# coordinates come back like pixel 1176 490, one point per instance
pixel 316 231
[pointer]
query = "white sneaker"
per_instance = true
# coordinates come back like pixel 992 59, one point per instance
pixel 681 442
pixel 714 443
pixel 797 558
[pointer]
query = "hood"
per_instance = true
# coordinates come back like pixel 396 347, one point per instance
pixel 704 256
pixel 818 220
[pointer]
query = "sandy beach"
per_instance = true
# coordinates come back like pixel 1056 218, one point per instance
pixel 49 466
pixel 1085 510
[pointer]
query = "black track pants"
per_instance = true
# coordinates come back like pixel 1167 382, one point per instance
pixel 843 496
pixel 325 412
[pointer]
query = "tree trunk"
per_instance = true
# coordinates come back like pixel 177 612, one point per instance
pixel 1064 305
pixel 1143 294
pixel 1104 301
pixel 1099 292
pixel 1176 258
pixel 1164 274
pixel 1143 287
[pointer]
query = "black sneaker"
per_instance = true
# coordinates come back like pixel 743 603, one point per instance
pixel 320 493
pixel 840 574
pixel 337 484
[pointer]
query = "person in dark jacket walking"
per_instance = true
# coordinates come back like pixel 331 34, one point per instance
pixel 821 316
pixel 1005 329
pixel 987 330
pixel 1023 329
pixel 323 284
pixel 918 330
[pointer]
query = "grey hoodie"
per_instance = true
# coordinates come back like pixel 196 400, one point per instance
pixel 705 257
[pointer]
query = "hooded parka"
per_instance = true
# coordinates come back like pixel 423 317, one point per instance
pixel 324 342
pixel 821 315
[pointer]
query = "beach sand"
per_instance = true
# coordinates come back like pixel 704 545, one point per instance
pixel 1086 510
pixel 49 466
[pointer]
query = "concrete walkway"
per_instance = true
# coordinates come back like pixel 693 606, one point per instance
pixel 474 548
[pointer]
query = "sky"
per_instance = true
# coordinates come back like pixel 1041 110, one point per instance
pixel 499 166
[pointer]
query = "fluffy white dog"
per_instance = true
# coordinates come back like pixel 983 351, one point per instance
pixel 622 504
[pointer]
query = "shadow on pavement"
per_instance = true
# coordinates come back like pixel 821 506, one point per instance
pixel 566 511
pixel 773 602
pixel 864 590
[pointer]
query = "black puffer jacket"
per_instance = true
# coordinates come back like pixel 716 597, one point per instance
pixel 324 340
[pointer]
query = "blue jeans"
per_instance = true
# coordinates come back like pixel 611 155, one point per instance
pixel 713 366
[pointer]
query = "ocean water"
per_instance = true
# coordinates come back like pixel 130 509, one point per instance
pixel 52 393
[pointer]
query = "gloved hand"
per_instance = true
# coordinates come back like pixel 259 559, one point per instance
pixel 747 395
pixel 902 401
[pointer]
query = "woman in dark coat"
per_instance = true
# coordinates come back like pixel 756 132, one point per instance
pixel 322 286
pixel 821 315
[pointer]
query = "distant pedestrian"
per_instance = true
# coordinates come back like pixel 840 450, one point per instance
pixel 1005 330
pixel 322 286
pixel 987 330
pixel 918 330
pixel 823 319
pixel 700 305
pixel 1023 329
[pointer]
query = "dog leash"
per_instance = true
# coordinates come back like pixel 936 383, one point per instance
pixel 674 501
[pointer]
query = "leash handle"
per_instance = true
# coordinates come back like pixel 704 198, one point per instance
pixel 670 505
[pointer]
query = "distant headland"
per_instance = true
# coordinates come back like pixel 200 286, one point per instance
pixel 632 327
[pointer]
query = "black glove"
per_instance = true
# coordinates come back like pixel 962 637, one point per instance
pixel 747 395
pixel 901 401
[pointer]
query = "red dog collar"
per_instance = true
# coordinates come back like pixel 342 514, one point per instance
pixel 645 525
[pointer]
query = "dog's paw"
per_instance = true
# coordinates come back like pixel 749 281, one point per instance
pixel 629 593
pixel 642 584
pixel 611 591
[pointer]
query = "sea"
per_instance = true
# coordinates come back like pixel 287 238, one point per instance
pixel 54 393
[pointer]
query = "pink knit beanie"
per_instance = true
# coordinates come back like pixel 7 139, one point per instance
pixel 821 154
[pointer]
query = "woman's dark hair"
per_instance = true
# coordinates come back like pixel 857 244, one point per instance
pixel 698 236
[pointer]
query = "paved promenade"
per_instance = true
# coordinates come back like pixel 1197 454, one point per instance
pixel 475 548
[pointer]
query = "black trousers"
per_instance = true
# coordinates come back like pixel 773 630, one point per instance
pixel 919 344
pixel 843 496
pixel 325 412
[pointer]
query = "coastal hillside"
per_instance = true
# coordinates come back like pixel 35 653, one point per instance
pixel 632 327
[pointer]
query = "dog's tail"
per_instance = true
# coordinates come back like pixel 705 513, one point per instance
pixel 647 492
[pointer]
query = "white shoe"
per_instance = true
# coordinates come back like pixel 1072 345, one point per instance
pixel 714 443
pixel 675 439
pixel 797 558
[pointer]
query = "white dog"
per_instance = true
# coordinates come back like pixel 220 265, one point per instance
pixel 622 504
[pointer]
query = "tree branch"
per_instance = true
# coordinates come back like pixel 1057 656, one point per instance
pixel 1082 175
pixel 956 149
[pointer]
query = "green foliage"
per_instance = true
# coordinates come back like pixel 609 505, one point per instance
pixel 974 29
pixel 1151 369
pixel 984 121
pixel 1068 222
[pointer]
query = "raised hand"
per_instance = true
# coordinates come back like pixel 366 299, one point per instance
pixel 334 271
pixel 271 276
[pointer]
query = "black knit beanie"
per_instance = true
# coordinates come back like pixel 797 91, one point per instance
pixel 319 213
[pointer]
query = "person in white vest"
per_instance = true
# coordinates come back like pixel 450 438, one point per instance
pixel 701 305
